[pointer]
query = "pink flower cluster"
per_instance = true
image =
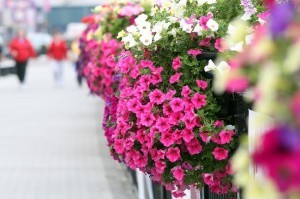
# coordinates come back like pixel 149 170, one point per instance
pixel 100 70
pixel 131 10
pixel 158 131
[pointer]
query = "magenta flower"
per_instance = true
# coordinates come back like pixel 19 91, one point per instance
pixel 173 154
pixel 176 117
pixel 220 153
pixel 219 45
pixel 119 146
pixel 199 100
pixel 194 52
pixel 202 84
pixel 170 94
pixel 205 137
pixel 194 147
pixel 205 42
pixel 167 139
pixel 162 124
pixel 157 97
pixel 218 124
pixel 186 91
pixel 208 179
pixel 238 84
pixel 160 166
pixel 203 21
pixel 147 119
pixel 187 135
pixel 175 78
pixel 177 104
pixel 226 136
pixel 178 173
pixel 176 64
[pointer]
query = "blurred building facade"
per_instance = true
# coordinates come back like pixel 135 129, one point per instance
pixel 43 14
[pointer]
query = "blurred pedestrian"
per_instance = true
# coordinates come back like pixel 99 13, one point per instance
pixel 21 50
pixel 58 53
pixel 75 47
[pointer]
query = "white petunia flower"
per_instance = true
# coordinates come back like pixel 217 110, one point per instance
pixel 157 37
pixel 212 25
pixel 173 32
pixel 198 29
pixel 188 28
pixel 210 67
pixel 144 27
pixel 201 2
pixel 129 40
pixel 246 17
pixel 172 19
pixel 146 38
pixel 132 29
pixel 211 1
pixel 230 127
pixel 141 19
pixel 223 66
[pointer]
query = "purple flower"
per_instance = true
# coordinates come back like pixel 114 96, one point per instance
pixel 248 7
pixel 281 16
pixel 290 138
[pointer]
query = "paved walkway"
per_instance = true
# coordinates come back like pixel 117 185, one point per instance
pixel 51 145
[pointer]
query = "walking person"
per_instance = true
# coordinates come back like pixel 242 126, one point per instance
pixel 21 51
pixel 58 53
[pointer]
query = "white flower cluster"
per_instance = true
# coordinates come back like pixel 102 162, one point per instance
pixel 146 33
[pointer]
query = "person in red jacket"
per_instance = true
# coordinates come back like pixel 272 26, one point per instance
pixel 58 53
pixel 21 51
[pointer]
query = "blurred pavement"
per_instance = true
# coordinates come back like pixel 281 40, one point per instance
pixel 51 142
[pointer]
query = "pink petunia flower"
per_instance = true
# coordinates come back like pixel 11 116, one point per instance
pixel 194 52
pixel 187 135
pixel 237 84
pixel 157 96
pixel 205 42
pixel 160 166
pixel 147 119
pixel 173 154
pixel 202 84
pixel 219 45
pixel 218 124
pixel 208 178
pixel 119 146
pixel 220 153
pixel 162 124
pixel 177 104
pixel 170 94
pixel 226 136
pixel 199 100
pixel 205 137
pixel 176 117
pixel 178 173
pixel 216 138
pixel 167 139
pixel 175 78
pixel 186 91
pixel 194 147
pixel 176 64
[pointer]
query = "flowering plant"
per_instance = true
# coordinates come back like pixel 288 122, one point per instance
pixel 101 47
pixel 268 70
pixel 166 122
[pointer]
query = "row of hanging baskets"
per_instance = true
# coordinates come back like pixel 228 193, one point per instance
pixel 162 68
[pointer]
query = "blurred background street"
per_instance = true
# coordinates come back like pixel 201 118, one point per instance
pixel 51 146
